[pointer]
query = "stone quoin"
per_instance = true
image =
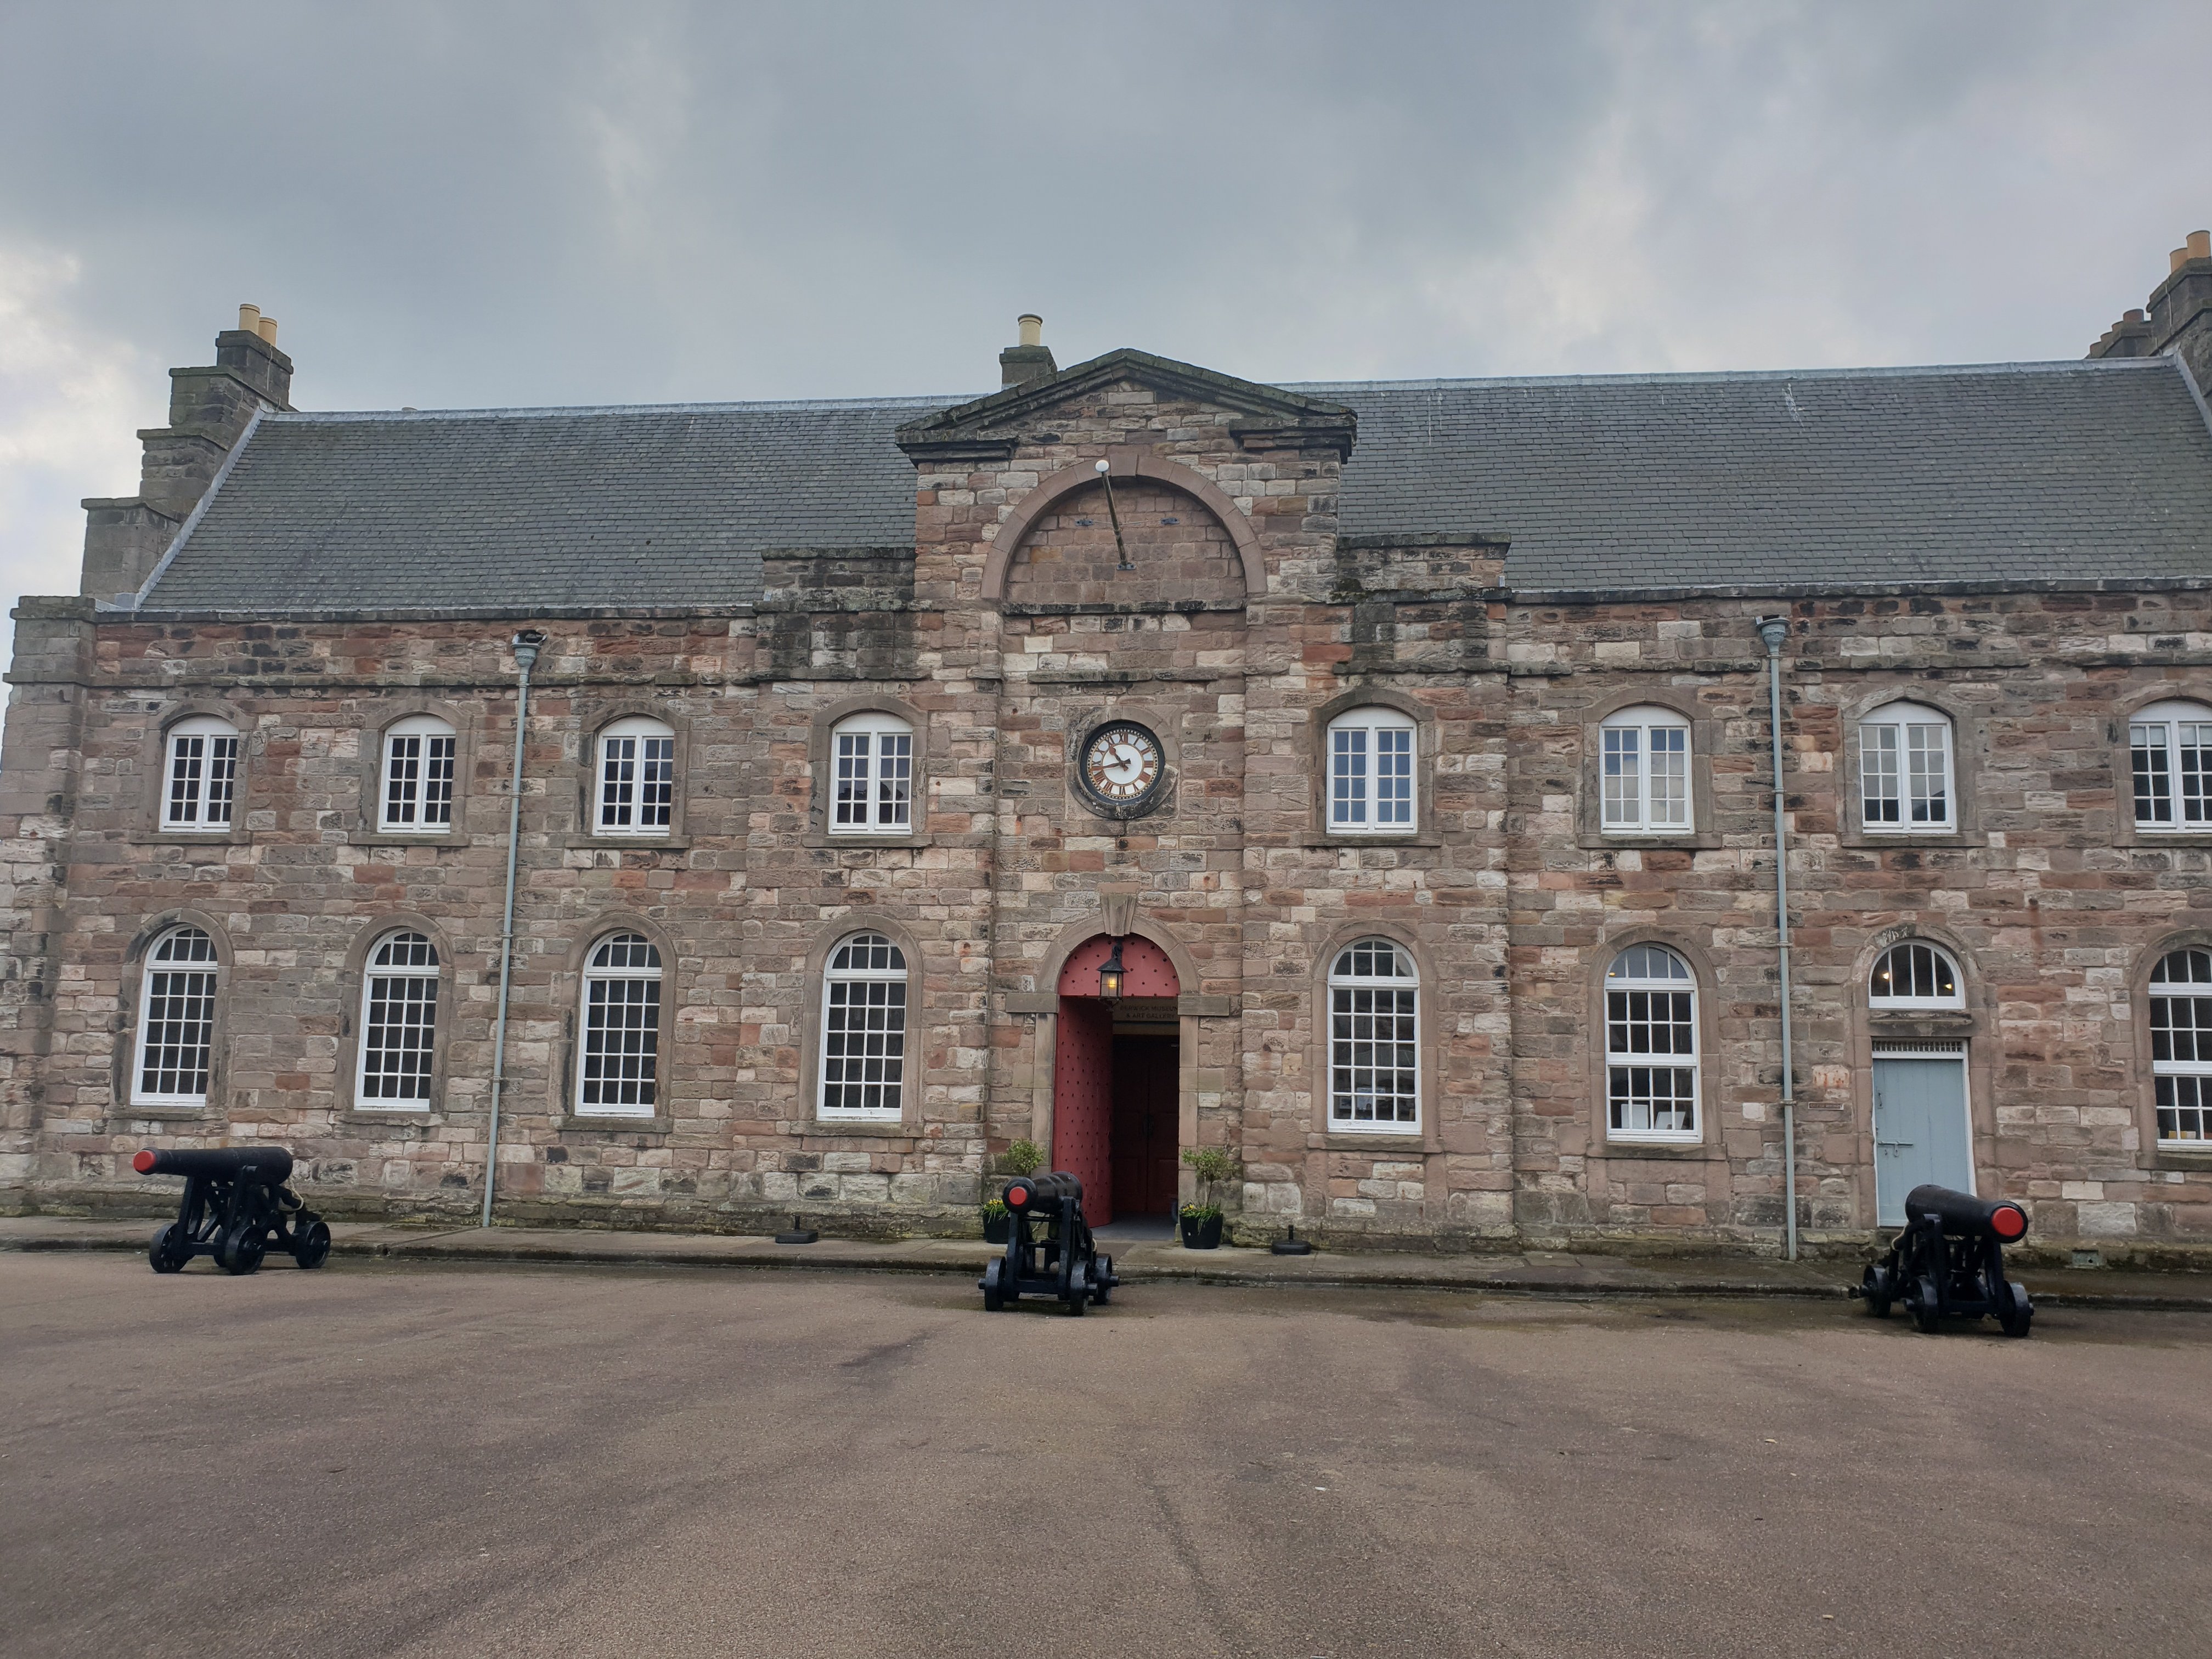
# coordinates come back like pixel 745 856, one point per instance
pixel 1445 868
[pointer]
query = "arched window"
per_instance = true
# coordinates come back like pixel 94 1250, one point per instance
pixel 871 775
pixel 619 1075
pixel 1914 975
pixel 1651 1046
pixel 1905 769
pixel 1645 770
pixel 1370 773
pixel 1374 1039
pixel 2181 1046
pixel 637 778
pixel 864 1029
pixel 202 775
pixel 417 794
pixel 176 1020
pixel 2169 748
pixel 398 1023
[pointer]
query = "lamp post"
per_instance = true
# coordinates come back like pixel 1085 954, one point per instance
pixel 1121 552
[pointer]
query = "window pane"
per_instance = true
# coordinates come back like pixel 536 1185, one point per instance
pixel 178 1026
pixel 2184 1108
pixel 617 782
pixel 438 779
pixel 2148 755
pixel 1394 775
pixel 1651 1099
pixel 2194 742
pixel 1670 777
pixel 403 780
pixel 398 1033
pixel 1924 748
pixel 656 782
pixel 1374 1062
pixel 1623 787
pixel 863 1045
pixel 1348 775
pixel 1878 770
pixel 894 780
pixel 622 1040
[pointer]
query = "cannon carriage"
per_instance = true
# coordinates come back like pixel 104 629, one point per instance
pixel 1060 1259
pixel 1949 1263
pixel 236 1208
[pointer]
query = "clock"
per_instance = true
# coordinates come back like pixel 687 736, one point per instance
pixel 1121 766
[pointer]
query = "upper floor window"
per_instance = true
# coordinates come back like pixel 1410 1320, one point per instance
pixel 398 1023
pixel 1645 770
pixel 2170 747
pixel 1370 772
pixel 202 775
pixel 1651 1046
pixel 176 1020
pixel 1904 768
pixel 872 784
pixel 864 1029
pixel 1374 1038
pixel 636 778
pixel 2181 1045
pixel 418 776
pixel 620 1073
pixel 1914 975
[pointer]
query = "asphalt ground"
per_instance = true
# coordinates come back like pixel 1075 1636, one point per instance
pixel 414 1460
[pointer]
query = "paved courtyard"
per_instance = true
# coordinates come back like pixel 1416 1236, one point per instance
pixel 523 1462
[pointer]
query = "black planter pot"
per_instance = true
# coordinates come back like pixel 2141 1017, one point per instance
pixel 997 1228
pixel 1201 1232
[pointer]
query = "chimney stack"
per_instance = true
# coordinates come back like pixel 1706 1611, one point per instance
pixel 1029 361
pixel 2178 318
pixel 209 408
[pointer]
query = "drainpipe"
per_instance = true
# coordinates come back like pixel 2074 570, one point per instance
pixel 1772 631
pixel 526 644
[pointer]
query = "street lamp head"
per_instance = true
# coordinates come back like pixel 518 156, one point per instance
pixel 1102 468
pixel 1110 976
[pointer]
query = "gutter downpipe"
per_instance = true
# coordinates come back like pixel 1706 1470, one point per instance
pixel 526 645
pixel 1772 631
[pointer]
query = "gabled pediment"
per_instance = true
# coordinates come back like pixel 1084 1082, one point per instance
pixel 1264 416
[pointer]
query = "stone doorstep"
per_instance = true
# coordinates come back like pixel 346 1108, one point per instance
pixel 1529 1273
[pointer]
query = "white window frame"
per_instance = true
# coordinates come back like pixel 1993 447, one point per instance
pixel 200 771
pixel 164 962
pixel 634 1047
pixel 1920 968
pixel 1373 768
pixel 629 776
pixel 2177 1078
pixel 882 986
pixel 2166 757
pixel 1632 745
pixel 1894 755
pixel 1354 991
pixel 1626 1016
pixel 397 978
pixel 416 786
pixel 872 776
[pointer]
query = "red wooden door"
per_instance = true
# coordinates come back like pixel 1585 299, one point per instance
pixel 1083 1102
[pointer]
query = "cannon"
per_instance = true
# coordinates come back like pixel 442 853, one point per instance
pixel 236 1208
pixel 1060 1259
pixel 1949 1263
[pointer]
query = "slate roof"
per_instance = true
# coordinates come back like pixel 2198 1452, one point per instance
pixel 2072 470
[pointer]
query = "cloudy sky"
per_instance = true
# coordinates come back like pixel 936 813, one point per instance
pixel 472 205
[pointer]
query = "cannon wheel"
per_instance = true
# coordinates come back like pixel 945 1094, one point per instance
pixel 1877 1292
pixel 2015 1310
pixel 241 1248
pixel 1102 1292
pixel 1928 1309
pixel 994 1299
pixel 1079 1293
pixel 164 1252
pixel 314 1245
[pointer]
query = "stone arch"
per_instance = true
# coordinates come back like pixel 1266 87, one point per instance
pixel 1123 463
pixel 1080 932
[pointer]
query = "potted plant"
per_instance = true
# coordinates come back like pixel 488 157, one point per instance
pixel 1201 1222
pixel 1019 1159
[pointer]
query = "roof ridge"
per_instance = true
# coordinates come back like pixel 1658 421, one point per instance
pixel 1669 377
pixel 770 407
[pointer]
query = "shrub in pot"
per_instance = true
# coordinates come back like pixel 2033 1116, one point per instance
pixel 1202 1221
pixel 997 1222
pixel 1019 1159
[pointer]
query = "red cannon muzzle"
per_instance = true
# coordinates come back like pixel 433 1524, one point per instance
pixel 2009 1222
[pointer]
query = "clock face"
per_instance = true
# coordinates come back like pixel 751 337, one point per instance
pixel 1122 763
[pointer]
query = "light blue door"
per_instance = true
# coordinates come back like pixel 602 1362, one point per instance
pixel 1919 1130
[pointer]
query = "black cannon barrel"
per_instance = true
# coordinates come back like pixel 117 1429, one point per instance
pixel 272 1164
pixel 1034 1192
pixel 1963 1213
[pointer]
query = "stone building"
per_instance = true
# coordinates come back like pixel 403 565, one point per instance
pixel 1404 749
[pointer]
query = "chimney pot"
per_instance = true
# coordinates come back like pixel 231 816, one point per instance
pixel 267 329
pixel 2135 316
pixel 2175 260
pixel 2200 244
pixel 249 319
pixel 1032 328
